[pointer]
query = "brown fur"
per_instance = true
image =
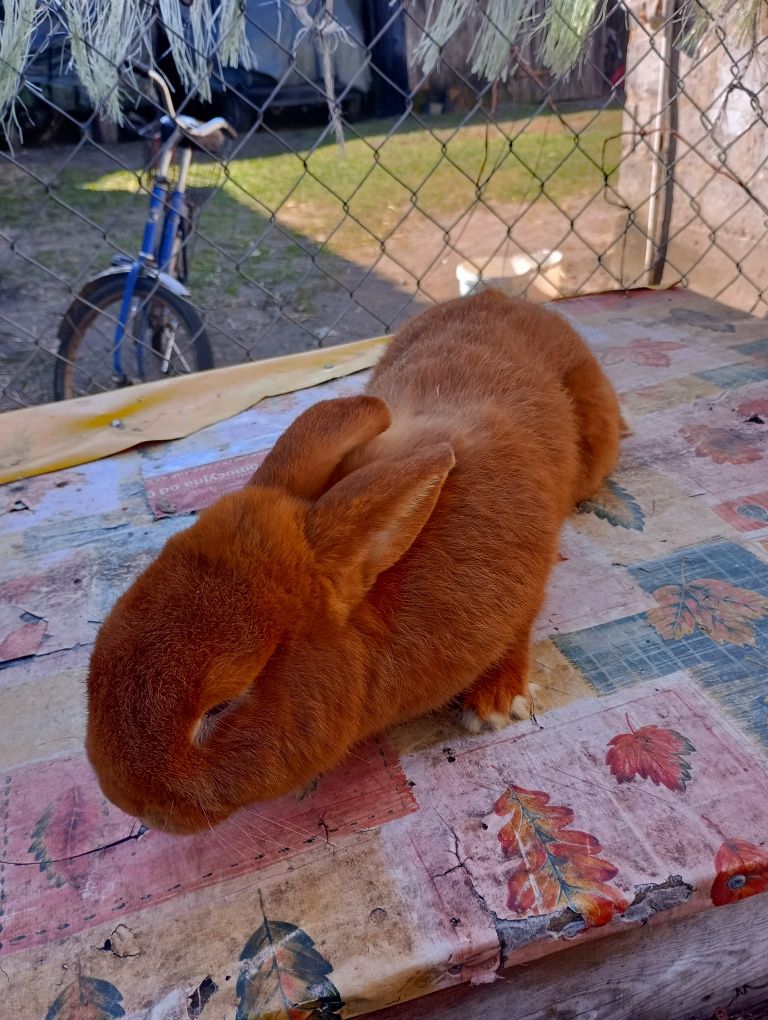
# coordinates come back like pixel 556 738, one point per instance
pixel 391 553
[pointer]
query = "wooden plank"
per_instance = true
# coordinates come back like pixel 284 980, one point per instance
pixel 682 970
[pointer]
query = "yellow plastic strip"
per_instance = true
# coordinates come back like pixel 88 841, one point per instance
pixel 50 437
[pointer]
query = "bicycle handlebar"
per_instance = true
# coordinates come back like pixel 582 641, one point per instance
pixel 189 126
pixel 159 80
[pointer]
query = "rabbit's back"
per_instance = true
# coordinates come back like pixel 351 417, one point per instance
pixel 472 349
pixel 504 383
pixel 489 363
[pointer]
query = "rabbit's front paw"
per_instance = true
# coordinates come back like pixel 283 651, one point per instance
pixel 499 696
pixel 474 722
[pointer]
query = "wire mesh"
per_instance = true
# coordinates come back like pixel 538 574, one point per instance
pixel 645 166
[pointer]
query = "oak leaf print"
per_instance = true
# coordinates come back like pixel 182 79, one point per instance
pixel 651 752
pixel 615 505
pixel 742 871
pixel 557 868
pixel 642 352
pixel 723 446
pixel 284 977
pixel 719 609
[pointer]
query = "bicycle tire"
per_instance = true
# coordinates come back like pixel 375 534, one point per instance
pixel 89 304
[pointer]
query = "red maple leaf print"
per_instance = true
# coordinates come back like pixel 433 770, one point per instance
pixel 651 752
pixel 642 352
pixel 742 871
pixel 556 867
pixel 653 352
pixel 723 446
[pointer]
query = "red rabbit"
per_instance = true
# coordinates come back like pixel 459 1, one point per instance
pixel 391 553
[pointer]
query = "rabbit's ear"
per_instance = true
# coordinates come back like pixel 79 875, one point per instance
pixel 367 521
pixel 303 459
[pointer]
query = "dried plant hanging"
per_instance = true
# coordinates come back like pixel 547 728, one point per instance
pixel 329 33
pixel 567 24
pixel 749 18
pixel 21 20
pixel 191 42
pixel 212 33
pixel 491 50
pixel 233 49
pixel 103 33
pixel 563 27
pixel 502 22
pixel 101 37
pixel 203 36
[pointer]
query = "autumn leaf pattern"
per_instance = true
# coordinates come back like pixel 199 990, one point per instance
pixel 652 353
pixel 615 505
pixel 25 640
pixel 62 832
pixel 750 408
pixel 719 609
pixel 39 850
pixel 87 998
pixel 556 867
pixel 651 752
pixel 742 871
pixel 753 512
pixel 284 977
pixel 723 446
pixel 703 320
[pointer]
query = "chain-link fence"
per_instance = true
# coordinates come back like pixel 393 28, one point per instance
pixel 646 165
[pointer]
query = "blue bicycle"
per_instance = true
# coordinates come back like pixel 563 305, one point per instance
pixel 133 323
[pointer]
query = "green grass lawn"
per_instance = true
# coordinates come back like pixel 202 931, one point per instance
pixel 441 172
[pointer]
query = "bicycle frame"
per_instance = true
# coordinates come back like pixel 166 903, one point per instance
pixel 162 252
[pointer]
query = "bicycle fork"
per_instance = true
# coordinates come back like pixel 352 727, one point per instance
pixel 167 252
pixel 158 201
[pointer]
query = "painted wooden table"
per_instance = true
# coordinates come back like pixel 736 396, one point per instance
pixel 599 860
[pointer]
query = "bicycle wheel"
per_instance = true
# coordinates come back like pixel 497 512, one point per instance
pixel 164 336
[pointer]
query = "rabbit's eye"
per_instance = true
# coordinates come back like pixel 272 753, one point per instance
pixel 217 709
pixel 207 723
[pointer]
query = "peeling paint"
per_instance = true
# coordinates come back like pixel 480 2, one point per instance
pixel 515 934
pixel 172 1006
pixel 649 899
pixel 199 999
pixel 566 923
pixel 652 898
pixel 122 943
